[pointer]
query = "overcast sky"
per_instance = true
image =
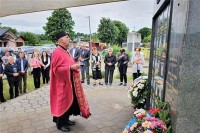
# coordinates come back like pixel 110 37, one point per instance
pixel 135 14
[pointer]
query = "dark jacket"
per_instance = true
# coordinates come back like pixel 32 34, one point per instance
pixel 121 61
pixel 48 60
pixel 86 56
pixel 110 59
pixel 1 69
pixel 25 64
pixel 76 54
pixel 9 72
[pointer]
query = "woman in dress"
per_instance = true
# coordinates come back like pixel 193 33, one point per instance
pixel 96 66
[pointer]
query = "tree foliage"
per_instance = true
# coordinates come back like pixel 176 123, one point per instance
pixel 30 38
pixel 60 20
pixel 147 39
pixel 107 31
pixel 145 32
pixel 123 31
pixel 95 37
pixel 42 37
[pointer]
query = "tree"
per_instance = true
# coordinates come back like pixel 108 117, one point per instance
pixel 60 20
pixel 147 39
pixel 31 39
pixel 42 37
pixel 13 30
pixel 95 37
pixel 145 32
pixel 123 31
pixel 107 31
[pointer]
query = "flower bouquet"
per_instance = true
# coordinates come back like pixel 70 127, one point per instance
pixel 150 121
pixel 138 92
pixel 144 122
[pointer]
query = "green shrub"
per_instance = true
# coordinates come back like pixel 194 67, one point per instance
pixel 116 49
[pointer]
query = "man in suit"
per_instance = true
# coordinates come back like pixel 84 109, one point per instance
pixel 74 51
pixel 12 74
pixel 22 65
pixel 84 63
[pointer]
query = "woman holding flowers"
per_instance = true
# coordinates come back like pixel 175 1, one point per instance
pixel 138 62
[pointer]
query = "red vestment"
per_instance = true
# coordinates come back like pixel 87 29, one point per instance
pixel 61 93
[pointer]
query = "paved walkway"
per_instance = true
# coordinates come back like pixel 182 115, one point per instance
pixel 29 113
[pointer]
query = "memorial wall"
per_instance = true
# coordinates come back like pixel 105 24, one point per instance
pixel 161 34
pixel 173 53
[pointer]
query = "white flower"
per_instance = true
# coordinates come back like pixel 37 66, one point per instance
pixel 142 101
pixel 139 112
pixel 135 93
pixel 140 86
pixel 135 89
pixel 142 111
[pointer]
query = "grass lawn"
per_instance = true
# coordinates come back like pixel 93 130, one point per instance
pixel 30 86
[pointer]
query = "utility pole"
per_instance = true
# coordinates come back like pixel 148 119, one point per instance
pixel 90 28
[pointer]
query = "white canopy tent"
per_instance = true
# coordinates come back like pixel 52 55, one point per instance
pixel 13 7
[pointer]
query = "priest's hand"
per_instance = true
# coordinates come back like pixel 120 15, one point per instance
pixel 75 66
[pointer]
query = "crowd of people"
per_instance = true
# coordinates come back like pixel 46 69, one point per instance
pixel 16 67
pixel 84 55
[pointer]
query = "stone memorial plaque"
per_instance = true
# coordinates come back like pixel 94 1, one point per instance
pixel 159 55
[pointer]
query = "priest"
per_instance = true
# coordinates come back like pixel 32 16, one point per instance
pixel 63 97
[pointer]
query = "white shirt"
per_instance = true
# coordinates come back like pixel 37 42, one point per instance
pixel 73 52
pixel 22 65
pixel 48 61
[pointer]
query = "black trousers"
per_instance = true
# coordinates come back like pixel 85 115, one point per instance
pixel 109 75
pixel 1 90
pixel 136 75
pixel 45 76
pixel 62 120
pixel 36 77
pixel 122 72
pixel 13 85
